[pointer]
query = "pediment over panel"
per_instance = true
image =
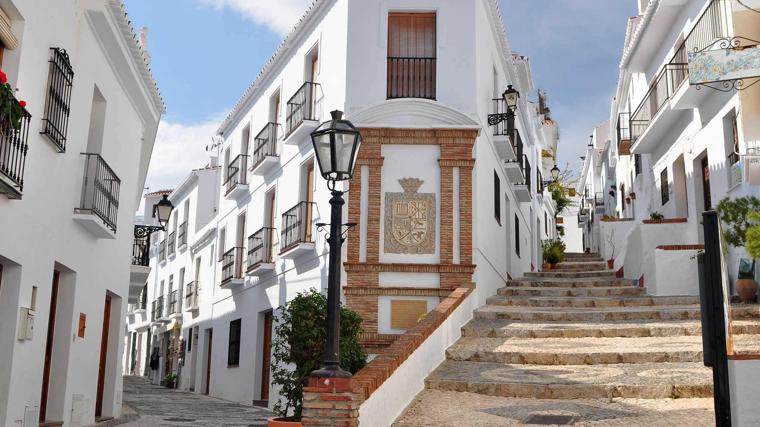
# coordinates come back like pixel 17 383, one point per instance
pixel 412 113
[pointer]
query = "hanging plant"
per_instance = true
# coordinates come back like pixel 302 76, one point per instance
pixel 11 110
pixel 632 196
pixel 628 200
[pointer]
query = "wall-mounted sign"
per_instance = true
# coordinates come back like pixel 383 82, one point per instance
pixel 711 66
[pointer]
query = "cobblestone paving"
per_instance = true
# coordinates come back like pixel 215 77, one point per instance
pixel 159 406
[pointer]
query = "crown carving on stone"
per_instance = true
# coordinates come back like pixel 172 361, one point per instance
pixel 410 185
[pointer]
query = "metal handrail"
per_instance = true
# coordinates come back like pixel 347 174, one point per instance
pixel 100 192
pixel 237 173
pixel 260 248
pixel 265 144
pixel 232 264
pixel 302 106
pixel 297 226
pixel 411 77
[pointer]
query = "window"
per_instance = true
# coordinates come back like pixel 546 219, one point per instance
pixel 664 187
pixel 517 236
pixel 222 242
pixel 497 197
pixel 56 116
pixel 233 350
pixel 411 55
pixel 637 164
pixel 546 224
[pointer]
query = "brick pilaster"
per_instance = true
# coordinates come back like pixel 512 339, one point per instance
pixel 331 402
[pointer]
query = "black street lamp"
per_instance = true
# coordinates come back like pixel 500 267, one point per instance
pixel 163 210
pixel 336 146
pixel 555 176
pixel 511 97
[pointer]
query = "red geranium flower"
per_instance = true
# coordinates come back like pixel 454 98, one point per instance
pixel 22 104
pixel 3 78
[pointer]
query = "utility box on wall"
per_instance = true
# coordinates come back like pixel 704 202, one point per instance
pixel 25 324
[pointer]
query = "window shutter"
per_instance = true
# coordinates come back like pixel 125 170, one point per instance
pixel 6 35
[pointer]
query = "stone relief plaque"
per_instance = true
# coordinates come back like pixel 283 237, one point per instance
pixel 410 220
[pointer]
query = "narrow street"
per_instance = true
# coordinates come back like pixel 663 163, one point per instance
pixel 160 406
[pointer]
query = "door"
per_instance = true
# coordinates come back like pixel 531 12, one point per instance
pixel 49 346
pixel 266 356
pixel 103 357
pixel 309 199
pixel 706 183
pixel 411 55
pixel 209 338
pixel 193 341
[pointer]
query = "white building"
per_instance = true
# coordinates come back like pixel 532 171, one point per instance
pixel 71 178
pixel 422 106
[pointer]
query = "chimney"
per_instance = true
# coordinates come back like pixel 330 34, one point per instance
pixel 144 44
pixel 213 161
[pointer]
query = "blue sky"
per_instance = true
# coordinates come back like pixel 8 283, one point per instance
pixel 205 53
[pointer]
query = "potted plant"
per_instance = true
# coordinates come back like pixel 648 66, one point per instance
pixel 298 349
pixel 11 110
pixel 656 216
pixel 169 380
pixel 611 260
pixel 737 215
pixel 554 252
pixel 632 195
pixel 627 200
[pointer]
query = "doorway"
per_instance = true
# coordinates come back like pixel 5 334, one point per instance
pixel 192 342
pixel 266 355
pixel 679 188
pixel 705 169
pixel 207 376
pixel 103 357
pixel 49 345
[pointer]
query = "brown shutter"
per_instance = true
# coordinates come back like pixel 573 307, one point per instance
pixel 411 55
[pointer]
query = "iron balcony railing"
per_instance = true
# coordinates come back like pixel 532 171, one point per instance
pixel 141 252
pixel 265 144
pixel 182 235
pixel 411 77
pixel 260 248
pixel 191 294
pixel 162 251
pixel 236 173
pixel 517 144
pixel 171 243
pixel 661 90
pixel 143 301
pixel 296 226
pixel 100 192
pixel 713 29
pixel 500 107
pixel 302 107
pixel 638 167
pixel 539 183
pixel 599 199
pixel 55 121
pixel 624 128
pixel 157 311
pixel 175 302
pixel 525 167
pixel 13 148
pixel 232 265
pixel 733 158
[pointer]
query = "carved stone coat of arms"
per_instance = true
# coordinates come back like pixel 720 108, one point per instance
pixel 410 220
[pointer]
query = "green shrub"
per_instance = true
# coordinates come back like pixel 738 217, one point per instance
pixel 734 215
pixel 656 216
pixel 298 347
pixel 752 237
pixel 554 251
pixel 169 381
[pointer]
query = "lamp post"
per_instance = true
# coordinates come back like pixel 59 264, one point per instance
pixel 511 97
pixel 163 210
pixel 336 146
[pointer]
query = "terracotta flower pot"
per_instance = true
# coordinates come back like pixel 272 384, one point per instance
pixel 278 422
pixel 628 200
pixel 546 266
pixel 610 264
pixel 553 266
pixel 747 289
pixel 632 196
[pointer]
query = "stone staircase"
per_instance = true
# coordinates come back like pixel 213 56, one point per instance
pixel 574 346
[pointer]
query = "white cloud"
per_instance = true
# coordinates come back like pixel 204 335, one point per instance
pixel 278 15
pixel 179 148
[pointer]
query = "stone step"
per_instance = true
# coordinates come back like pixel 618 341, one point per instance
pixel 745 311
pixel 570 282
pixel 554 274
pixel 581 256
pixel 589 291
pixel 577 351
pixel 687 312
pixel 591 302
pixel 517 329
pixel 580 266
pixel 639 381
pixel 747 344
pixel 449 408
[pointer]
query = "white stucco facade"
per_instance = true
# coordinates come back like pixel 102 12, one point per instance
pixel 64 276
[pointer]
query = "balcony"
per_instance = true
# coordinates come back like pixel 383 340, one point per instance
pixel 514 167
pixel 504 145
pixel 303 112
pixel 157 310
pixel 55 121
pixel 232 267
pixel 582 217
pixel 192 292
pixel 13 148
pixel 140 268
pixel 259 260
pixel 265 154
pixel 599 199
pixel 539 183
pixel 171 244
pixel 236 181
pixel 523 189
pixel 162 251
pixel 99 207
pixel 297 236
pixel 182 236
pixel 624 134
pixel 411 77
pixel 175 304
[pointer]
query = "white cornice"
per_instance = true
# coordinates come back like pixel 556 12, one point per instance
pixel 646 19
pixel 414 113
pixel 203 241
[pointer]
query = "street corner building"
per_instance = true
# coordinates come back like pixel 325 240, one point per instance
pixel 74 154
pixel 448 192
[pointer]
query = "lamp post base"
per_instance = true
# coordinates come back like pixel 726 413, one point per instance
pixel 328 372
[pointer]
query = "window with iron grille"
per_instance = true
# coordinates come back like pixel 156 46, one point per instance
pixel 55 121
pixel 664 187
pixel 233 350
pixel 637 163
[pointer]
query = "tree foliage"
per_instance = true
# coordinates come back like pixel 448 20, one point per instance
pixel 298 347
pixel 752 238
pixel 734 214
pixel 554 251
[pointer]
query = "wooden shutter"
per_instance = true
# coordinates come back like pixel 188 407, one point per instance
pixel 411 55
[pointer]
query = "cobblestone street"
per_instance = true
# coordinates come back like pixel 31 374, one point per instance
pixel 159 406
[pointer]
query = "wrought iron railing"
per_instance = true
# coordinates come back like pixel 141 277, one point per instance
pixel 100 192
pixel 411 77
pixel 733 158
pixel 713 28
pixel 237 173
pixel 175 302
pixel 500 107
pixel 296 226
pixel 191 294
pixel 302 107
pixel 232 265
pixel 525 167
pixel 143 301
pixel 13 148
pixel 157 310
pixel 664 86
pixel 141 252
pixel 55 121
pixel 517 144
pixel 265 144
pixel 539 183
pixel 171 243
pixel 624 128
pixel 182 235
pixel 260 248
pixel 162 251
pixel 599 199
pixel 638 167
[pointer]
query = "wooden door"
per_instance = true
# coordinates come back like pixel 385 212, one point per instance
pixel 706 183
pixel 309 199
pixel 209 339
pixel 103 356
pixel 266 356
pixel 49 346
